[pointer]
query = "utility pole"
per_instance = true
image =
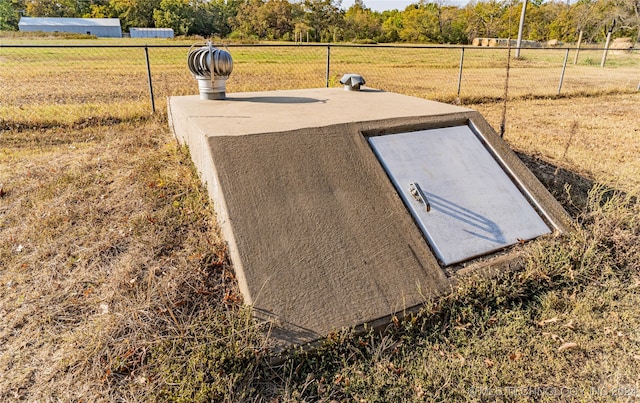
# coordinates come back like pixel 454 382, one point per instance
pixel 521 28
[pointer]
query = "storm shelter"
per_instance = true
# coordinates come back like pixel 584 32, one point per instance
pixel 346 207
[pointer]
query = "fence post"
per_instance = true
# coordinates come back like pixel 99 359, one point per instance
pixel 575 61
pixel 606 49
pixel 503 122
pixel 564 67
pixel 520 29
pixel 328 65
pixel 153 102
pixel 460 72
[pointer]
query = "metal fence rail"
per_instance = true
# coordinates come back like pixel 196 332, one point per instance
pixel 58 82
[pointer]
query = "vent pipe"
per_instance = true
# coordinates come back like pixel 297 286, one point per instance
pixel 352 82
pixel 211 67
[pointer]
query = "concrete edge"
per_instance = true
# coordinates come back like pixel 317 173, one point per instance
pixel 211 181
pixel 542 199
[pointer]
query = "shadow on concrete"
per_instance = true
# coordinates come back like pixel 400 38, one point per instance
pixel 279 100
pixel 284 334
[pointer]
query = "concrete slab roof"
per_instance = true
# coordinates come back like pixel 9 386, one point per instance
pixel 319 238
pixel 278 111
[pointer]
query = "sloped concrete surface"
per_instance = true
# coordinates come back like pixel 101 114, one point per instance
pixel 317 234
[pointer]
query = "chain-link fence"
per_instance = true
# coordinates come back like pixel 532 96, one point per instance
pixel 67 83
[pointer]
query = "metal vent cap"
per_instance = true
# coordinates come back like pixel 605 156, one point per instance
pixel 352 82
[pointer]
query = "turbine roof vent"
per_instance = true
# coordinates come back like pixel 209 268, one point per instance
pixel 211 67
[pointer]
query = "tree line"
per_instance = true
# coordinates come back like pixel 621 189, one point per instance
pixel 325 20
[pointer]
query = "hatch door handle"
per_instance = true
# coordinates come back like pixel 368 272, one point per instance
pixel 418 194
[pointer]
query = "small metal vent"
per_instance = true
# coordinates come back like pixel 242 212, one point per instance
pixel 211 67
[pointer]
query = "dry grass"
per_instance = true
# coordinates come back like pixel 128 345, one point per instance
pixel 604 146
pixel 108 244
pixel 55 85
pixel 115 286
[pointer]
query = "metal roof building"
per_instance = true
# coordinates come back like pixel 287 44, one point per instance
pixel 151 32
pixel 100 27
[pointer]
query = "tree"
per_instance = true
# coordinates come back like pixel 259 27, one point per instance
pixel 537 26
pixel 270 19
pixel 98 11
pixel 627 14
pixel 511 17
pixel 219 15
pixel 211 17
pixel 175 14
pixel 421 23
pixel 595 17
pixel 196 17
pixel 360 23
pixel 484 19
pixel 564 26
pixel 453 25
pixel 278 17
pixel 246 21
pixel 51 8
pixel 10 14
pixel 392 24
pixel 84 8
pixel 134 13
pixel 323 16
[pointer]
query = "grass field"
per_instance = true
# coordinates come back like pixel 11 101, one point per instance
pixel 52 85
pixel 115 284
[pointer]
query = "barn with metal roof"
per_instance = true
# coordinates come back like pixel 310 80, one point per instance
pixel 100 27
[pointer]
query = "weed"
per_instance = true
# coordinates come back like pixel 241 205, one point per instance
pixel 590 61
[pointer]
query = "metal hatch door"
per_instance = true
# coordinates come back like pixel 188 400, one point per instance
pixel 463 201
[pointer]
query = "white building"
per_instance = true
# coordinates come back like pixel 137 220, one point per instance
pixel 151 32
pixel 100 27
